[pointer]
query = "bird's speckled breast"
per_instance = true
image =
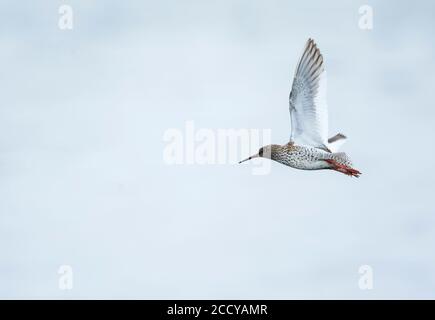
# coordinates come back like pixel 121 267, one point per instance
pixel 301 157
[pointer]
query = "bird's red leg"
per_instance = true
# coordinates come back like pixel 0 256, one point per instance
pixel 343 169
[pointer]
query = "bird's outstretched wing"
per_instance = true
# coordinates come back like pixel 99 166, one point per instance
pixel 308 108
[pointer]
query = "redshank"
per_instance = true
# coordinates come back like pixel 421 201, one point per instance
pixel 309 147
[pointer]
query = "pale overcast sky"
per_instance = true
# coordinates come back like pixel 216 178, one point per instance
pixel 83 183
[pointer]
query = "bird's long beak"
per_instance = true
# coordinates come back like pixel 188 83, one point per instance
pixel 251 157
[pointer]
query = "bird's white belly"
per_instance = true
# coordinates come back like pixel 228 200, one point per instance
pixel 309 165
pixel 305 158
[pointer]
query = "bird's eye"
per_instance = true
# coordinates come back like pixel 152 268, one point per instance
pixel 260 152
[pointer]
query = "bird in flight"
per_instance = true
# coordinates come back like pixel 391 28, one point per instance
pixel 309 147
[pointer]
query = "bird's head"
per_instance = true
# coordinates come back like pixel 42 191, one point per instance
pixel 263 152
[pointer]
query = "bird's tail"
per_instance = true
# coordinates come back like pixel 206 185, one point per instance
pixel 342 158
